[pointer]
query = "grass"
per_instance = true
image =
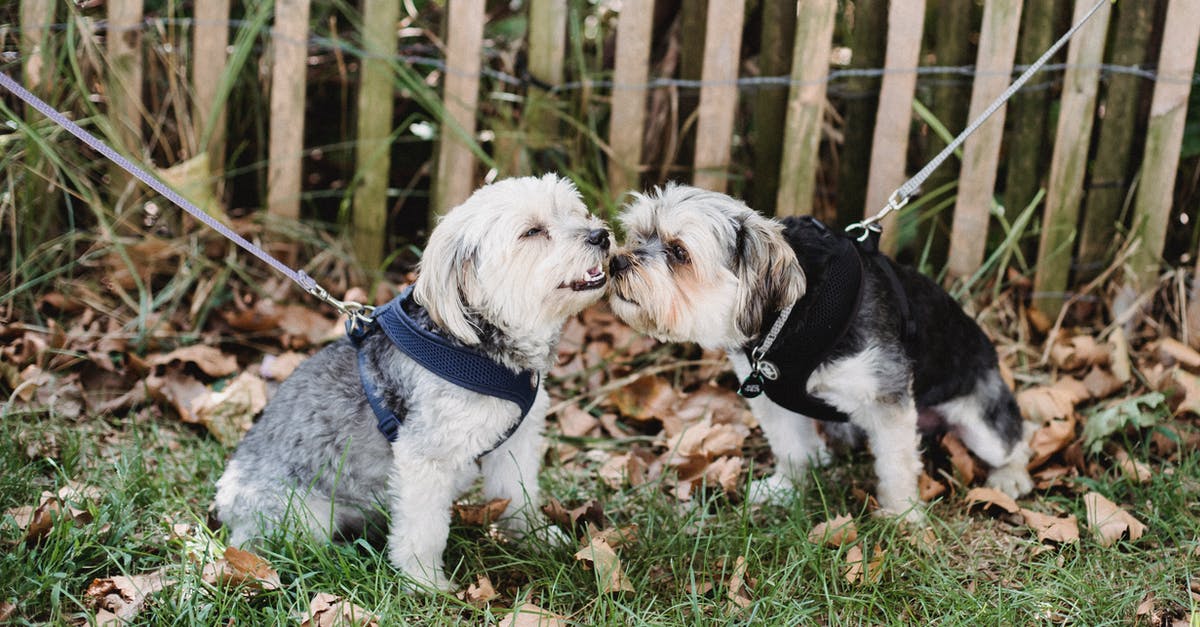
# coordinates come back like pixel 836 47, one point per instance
pixel 153 473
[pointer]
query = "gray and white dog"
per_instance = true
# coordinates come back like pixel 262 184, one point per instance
pixel 699 266
pixel 501 274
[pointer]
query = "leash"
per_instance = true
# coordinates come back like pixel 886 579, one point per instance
pixel 358 313
pixel 904 193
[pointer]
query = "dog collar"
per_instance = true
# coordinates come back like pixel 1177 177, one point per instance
pixel 460 365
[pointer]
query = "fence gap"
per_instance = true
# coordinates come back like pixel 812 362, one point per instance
pixel 631 70
pixel 1064 190
pixel 1109 183
pixel 372 149
pixel 209 60
pixel 1164 136
pixel 460 95
pixel 806 108
pixel 777 30
pixel 981 151
pixel 893 120
pixel 868 40
pixel 719 95
pixel 289 62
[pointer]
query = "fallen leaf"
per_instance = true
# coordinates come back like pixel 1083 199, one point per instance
pixel 242 568
pixel 1171 351
pixel 725 472
pixel 736 594
pixel 480 592
pixel 7 609
pixel 229 414
pixel 530 615
pixel 1190 384
pixel 1043 403
pixel 180 390
pixel 481 515
pixel 1133 470
pixel 573 422
pixel 123 597
pixel 991 498
pixel 279 367
pixel 1139 411
pixel 858 570
pixel 1101 383
pixel 1109 522
pixel 1052 528
pixel 1051 438
pixel 1079 351
pixel 929 488
pixel 962 461
pixel 646 398
pixel 330 610
pixel 834 533
pixel 209 359
pixel 574 519
pixel 609 575
pixel 1122 368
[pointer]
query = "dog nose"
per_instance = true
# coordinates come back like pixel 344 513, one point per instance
pixel 619 264
pixel 598 237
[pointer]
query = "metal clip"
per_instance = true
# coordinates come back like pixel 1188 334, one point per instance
pixel 358 313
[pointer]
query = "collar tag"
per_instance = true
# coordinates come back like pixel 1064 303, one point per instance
pixel 752 385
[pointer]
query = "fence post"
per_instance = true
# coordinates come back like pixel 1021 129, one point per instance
pixel 36 17
pixel 806 107
pixel 460 94
pixel 777 28
pixel 1067 166
pixel 547 55
pixel 123 41
pixel 210 37
pixel 1114 149
pixel 372 153
pixel 719 93
pixel 893 121
pixel 981 151
pixel 1164 136
pixel 631 69
pixel 289 61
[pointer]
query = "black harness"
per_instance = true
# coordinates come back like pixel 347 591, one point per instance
pixel 834 267
pixel 457 364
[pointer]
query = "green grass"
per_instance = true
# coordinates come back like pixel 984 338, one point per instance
pixel 153 472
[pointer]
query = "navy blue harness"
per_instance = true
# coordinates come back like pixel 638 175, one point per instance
pixel 457 364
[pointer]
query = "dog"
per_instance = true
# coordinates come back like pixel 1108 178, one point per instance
pixel 499 277
pixel 700 266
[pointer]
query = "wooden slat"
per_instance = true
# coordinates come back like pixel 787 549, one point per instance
pixel 806 106
pixel 890 143
pixel 719 95
pixel 460 93
pixel 372 146
pixel 547 55
pixel 631 70
pixel 124 48
pixel 36 17
pixel 210 40
pixel 981 151
pixel 289 62
pixel 1065 188
pixel 1164 135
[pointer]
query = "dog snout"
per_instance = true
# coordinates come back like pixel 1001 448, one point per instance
pixel 618 265
pixel 598 237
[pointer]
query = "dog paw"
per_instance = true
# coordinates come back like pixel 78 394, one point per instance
pixel 419 581
pixel 914 515
pixel 778 489
pixel 1012 480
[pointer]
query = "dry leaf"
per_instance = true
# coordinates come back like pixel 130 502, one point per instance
pixel 646 398
pixel 725 472
pixel 228 414
pixel 736 595
pixel 610 577
pixel 1053 437
pixel 1079 351
pixel 962 461
pixel 7 609
pixel 279 367
pixel 929 488
pixel 858 570
pixel 1052 528
pixel 1101 383
pixel 1133 470
pixel 530 615
pixel 1171 351
pixel 239 568
pixel 991 499
pixel 834 533
pixel 178 389
pixel 1190 384
pixel 480 592
pixel 330 610
pixel 209 359
pixel 573 422
pixel 120 598
pixel 481 515
pixel 1118 345
pixel 1108 521
pixel 68 504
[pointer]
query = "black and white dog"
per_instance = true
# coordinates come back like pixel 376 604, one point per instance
pixel 501 274
pixel 826 328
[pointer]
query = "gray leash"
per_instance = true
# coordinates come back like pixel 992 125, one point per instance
pixel 901 196
pixel 356 311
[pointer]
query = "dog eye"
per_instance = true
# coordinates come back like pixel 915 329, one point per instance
pixel 534 232
pixel 678 253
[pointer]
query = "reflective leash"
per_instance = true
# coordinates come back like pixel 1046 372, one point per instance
pixel 357 312
pixel 901 196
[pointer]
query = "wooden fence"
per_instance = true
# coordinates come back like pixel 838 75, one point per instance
pixel 795 33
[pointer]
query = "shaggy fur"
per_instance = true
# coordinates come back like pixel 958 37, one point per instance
pixel 699 266
pixel 501 273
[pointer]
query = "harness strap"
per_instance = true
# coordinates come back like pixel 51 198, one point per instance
pixel 870 246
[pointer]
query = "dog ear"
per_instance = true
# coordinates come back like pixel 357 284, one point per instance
pixel 447 276
pixel 769 276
